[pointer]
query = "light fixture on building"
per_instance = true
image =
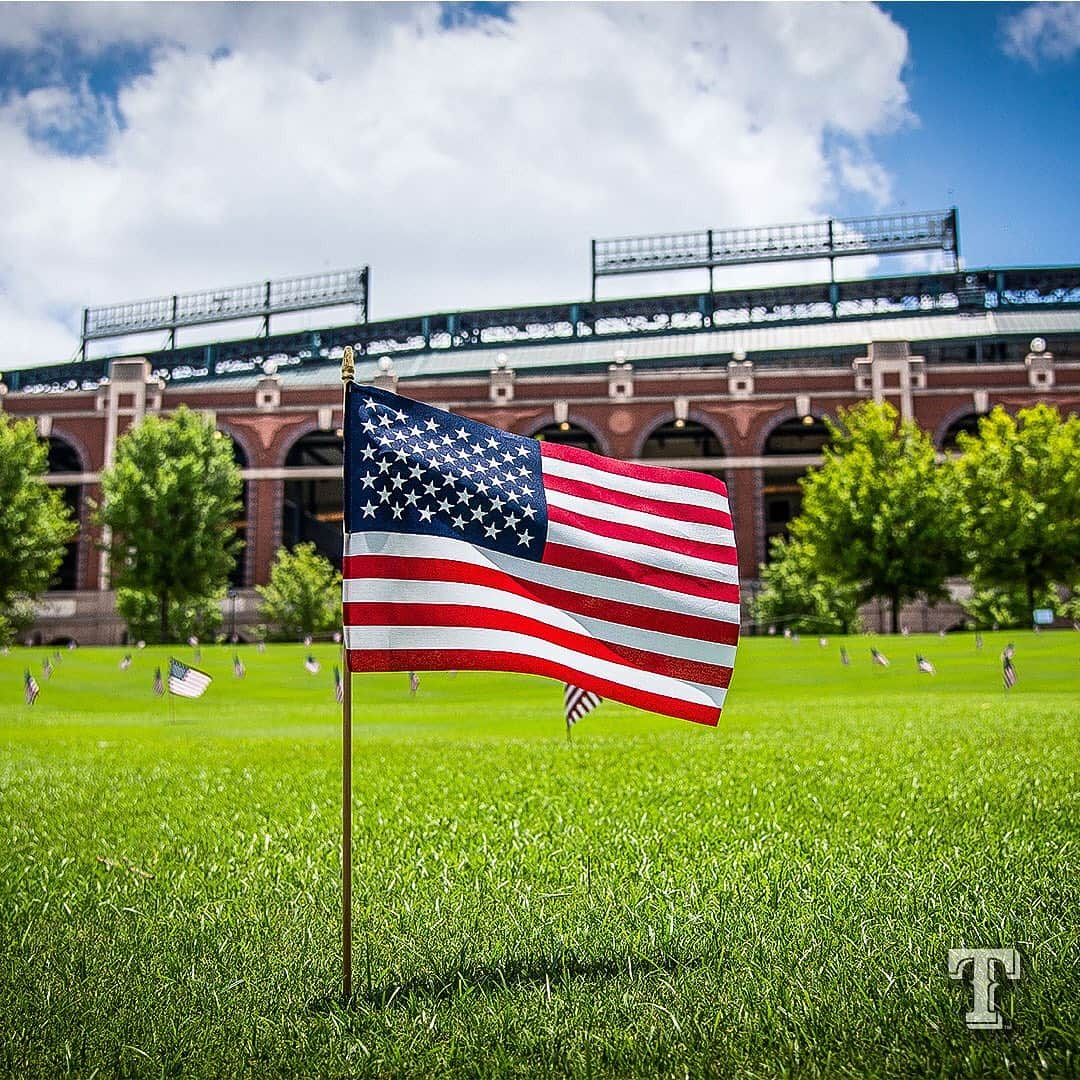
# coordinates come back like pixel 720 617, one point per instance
pixel 340 433
pixel 565 425
pixel 1038 345
pixel 808 420
pixel 680 423
pixel 682 411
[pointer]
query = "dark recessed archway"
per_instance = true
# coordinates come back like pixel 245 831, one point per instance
pixel 781 492
pixel 967 424
pixel 64 459
pixel 682 439
pixel 799 435
pixel 312 507
pixel 567 434
pixel 238 575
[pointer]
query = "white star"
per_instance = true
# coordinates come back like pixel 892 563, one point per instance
pixel 464 454
pixel 512 495
pixel 461 433
pixel 481 465
pixel 512 520
pixel 384 495
pixel 482 486
pixel 497 480
pixel 368 426
pixel 426 513
pixel 415 472
pixel 367 453
pixel 402 454
pixel 447 480
pixel 523 451
pixel 508 457
pixel 429 489
pixel 385 421
pixel 497 503
pixel 430 425
pixel 411 498
pixel 398 482
pixel 447 440
pixel 478 513
pixel 526 490
pixel 444 505
pixel 415 432
pixel 397 510
pixel 369 403
pixel 368 479
pixel 464 496
pixel 528 511
pixel 369 509
pixel 523 471
pixel 523 538
pixel 400 414
pixel 492 442
pixel 433 445
pixel 491 531
pixel 384 465
pixel 458 522
pixel 401 433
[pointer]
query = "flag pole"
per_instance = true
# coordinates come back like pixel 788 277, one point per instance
pixel 347 374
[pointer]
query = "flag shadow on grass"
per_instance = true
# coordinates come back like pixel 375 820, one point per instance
pixel 554 973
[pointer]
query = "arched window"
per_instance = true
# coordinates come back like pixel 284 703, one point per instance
pixel 312 510
pixel 567 434
pixel 64 459
pixel 238 575
pixel 682 439
pixel 967 425
pixel 781 492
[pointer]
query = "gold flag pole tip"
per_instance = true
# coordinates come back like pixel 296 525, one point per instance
pixel 348 368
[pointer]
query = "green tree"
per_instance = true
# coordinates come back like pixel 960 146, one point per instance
pixel 795 594
pixel 304 594
pixel 170 501
pixel 35 525
pixel 1018 484
pixel 1007 608
pixel 878 514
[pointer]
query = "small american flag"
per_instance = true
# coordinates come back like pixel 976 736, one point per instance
pixel 31 688
pixel 46 668
pixel 879 658
pixel 924 665
pixel 1008 652
pixel 187 681
pixel 261 647
pixel 307 641
pixel 193 641
pixel 578 703
pixel 339 689
pixel 159 686
pixel 844 658
pixel 414 683
pixel 126 662
pixel 1008 672
pixel 312 664
pixel 823 642
pixel 978 641
pixel 470 548
pixel 238 666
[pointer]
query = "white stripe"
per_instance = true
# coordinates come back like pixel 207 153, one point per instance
pixel 469 638
pixel 644 554
pixel 649 489
pixel 595 585
pixel 685 530
pixel 390 591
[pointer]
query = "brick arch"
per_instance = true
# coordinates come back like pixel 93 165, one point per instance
pixel 776 420
pixel 577 421
pixel 83 548
pixel 949 419
pixel 242 439
pixel 667 416
pixel 252 501
pixel 294 434
pixel 64 435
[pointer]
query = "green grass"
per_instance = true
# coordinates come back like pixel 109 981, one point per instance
pixel 773 897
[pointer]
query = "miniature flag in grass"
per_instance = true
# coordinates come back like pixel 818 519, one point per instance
pixel 56 658
pixel 414 683
pixel 1008 672
pixel 126 662
pixel 878 657
pixel 978 641
pixel 159 686
pixel 31 688
pixel 471 548
pixel 307 641
pixel 186 681
pixel 924 665
pixel 578 703
pixel 823 642
pixel 339 688
pixel 261 647
pixel 238 666
pixel 46 668
pixel 844 658
pixel 312 664
pixel 1008 652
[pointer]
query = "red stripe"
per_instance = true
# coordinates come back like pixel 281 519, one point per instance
pixel 611 566
pixel 645 618
pixel 698 515
pixel 652 474
pixel 633 534
pixel 457 615
pixel 469 660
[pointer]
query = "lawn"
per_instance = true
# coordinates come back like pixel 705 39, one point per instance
pixel 774 896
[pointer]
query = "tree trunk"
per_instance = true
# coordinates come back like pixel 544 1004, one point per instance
pixel 1030 586
pixel 163 616
pixel 894 601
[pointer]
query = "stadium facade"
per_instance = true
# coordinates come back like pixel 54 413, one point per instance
pixel 734 382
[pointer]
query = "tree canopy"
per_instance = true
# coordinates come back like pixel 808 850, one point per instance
pixel 878 514
pixel 797 595
pixel 170 503
pixel 35 524
pixel 1018 483
pixel 304 593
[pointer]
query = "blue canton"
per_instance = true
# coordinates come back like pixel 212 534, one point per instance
pixel 410 468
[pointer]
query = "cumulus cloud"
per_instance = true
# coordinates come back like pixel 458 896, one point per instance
pixel 469 160
pixel 1046 31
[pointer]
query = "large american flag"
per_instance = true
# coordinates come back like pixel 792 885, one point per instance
pixel 467 547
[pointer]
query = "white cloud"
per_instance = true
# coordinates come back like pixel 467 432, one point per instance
pixel 469 167
pixel 1045 31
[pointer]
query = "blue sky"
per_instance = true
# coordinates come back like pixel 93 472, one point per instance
pixel 469 152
